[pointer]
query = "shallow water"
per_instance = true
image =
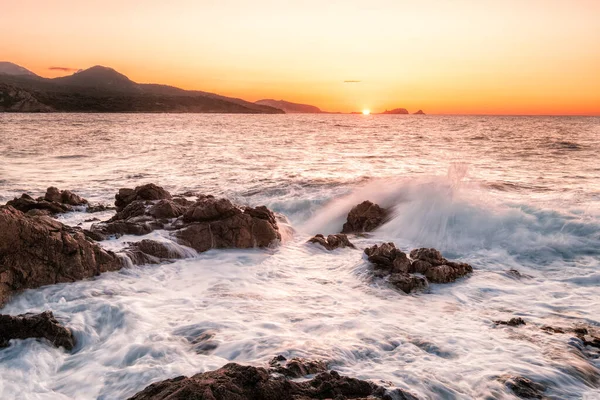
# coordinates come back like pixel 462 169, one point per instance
pixel 497 192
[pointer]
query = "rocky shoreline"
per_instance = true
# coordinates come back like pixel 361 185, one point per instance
pixel 37 250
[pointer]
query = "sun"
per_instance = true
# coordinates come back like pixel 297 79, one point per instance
pixel 366 111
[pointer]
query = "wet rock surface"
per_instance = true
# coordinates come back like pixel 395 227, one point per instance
pixel 40 326
pixel 332 242
pixel 150 252
pixel 393 264
pixel 365 217
pixel 38 250
pixel 511 322
pixel 149 191
pixel 523 388
pixel 238 382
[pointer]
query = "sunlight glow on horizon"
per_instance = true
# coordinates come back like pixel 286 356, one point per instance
pixel 366 111
pixel 462 57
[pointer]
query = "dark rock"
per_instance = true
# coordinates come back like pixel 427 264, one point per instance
pixel 513 273
pixel 523 388
pixel 41 326
pixel 98 208
pixel 150 252
pixel 104 230
pixel 512 322
pixel 64 197
pixel 551 329
pixel 420 112
pixel 221 225
pixel 237 382
pixel 36 212
pixel 149 191
pixel 332 241
pixel 37 251
pixel 26 203
pixel 436 268
pixel 296 367
pixel 393 263
pixel 205 342
pixel 166 209
pixel 365 217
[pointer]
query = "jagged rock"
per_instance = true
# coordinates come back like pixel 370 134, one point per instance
pixel 393 263
pixel 41 326
pixel 436 268
pixel 512 322
pixel 150 252
pixel 332 241
pixel 365 217
pixel 166 209
pixel 296 367
pixel 64 197
pixel 223 226
pixel 149 191
pixel 26 203
pixel 523 388
pixel 237 382
pixel 37 251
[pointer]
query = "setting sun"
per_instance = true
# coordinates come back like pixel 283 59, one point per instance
pixel 366 111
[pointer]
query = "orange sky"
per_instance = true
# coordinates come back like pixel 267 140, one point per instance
pixel 459 56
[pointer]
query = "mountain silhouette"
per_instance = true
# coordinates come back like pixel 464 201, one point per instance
pixel 289 107
pixel 9 68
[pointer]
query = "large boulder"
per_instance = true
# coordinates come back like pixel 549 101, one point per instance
pixel 235 227
pixel 365 217
pixel 408 274
pixel 239 382
pixel 41 326
pixel 149 191
pixel 332 242
pixel 38 250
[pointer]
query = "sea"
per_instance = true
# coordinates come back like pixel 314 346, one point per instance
pixel 498 192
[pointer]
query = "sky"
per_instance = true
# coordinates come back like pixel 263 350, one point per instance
pixel 442 56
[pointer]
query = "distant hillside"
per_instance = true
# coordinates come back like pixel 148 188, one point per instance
pixel 102 89
pixel 396 111
pixel 9 68
pixel 290 108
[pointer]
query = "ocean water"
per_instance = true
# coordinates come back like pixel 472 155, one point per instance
pixel 497 192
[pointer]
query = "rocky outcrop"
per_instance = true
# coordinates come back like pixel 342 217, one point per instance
pixel 38 250
pixel 208 223
pixel 40 326
pixel 420 112
pixel 332 242
pixel 396 111
pixel 394 265
pixel 365 217
pixel 149 191
pixel 54 202
pixel 238 382
pixel 150 252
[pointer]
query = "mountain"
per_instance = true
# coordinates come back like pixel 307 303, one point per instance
pixel 396 111
pixel 288 107
pixel 9 68
pixel 102 89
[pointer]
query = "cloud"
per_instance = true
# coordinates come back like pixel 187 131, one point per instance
pixel 64 69
pixel 352 81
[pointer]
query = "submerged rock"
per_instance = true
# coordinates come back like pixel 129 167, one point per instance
pixel 523 388
pixel 365 217
pixel 150 252
pixel 238 382
pixel 393 264
pixel 38 250
pixel 332 242
pixel 512 322
pixel 41 326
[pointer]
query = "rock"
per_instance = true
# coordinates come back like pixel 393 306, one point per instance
pixel 166 209
pixel 238 382
pixel 64 197
pixel 420 112
pixel 41 326
pixel 26 203
pixel 393 263
pixel 512 322
pixel 205 343
pixel 436 268
pixel 523 388
pixel 150 252
pixel 332 241
pixel 149 191
pixel 365 217
pixel 98 208
pixel 104 230
pixel 513 273
pixel 296 367
pixel 218 225
pixel 37 251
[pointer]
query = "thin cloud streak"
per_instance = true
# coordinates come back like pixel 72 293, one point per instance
pixel 352 81
pixel 65 69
